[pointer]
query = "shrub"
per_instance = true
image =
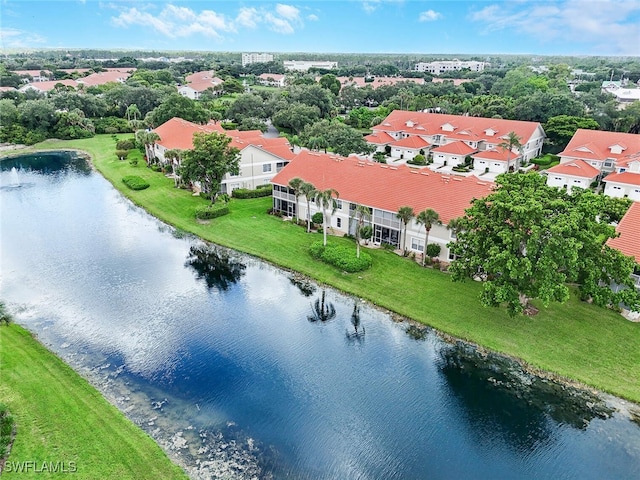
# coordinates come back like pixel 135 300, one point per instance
pixel 229 125
pixel 156 168
pixel 418 160
pixel 366 232
pixel 207 212
pixel 266 185
pixel 122 154
pixel 246 193
pixel 387 246
pixel 433 250
pixel 134 182
pixel 134 162
pixel 126 144
pixel 317 218
pixel 341 257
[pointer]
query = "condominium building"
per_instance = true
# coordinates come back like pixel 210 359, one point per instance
pixel 303 65
pixel 249 58
pixel 443 66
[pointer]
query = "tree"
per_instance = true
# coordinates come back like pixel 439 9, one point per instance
pixel 309 191
pixel 5 316
pixel 209 161
pixel 560 129
pixel 528 240
pixel 340 138
pixel 296 116
pixel 405 214
pixel 246 105
pixel 133 112
pixel 326 200
pixel 296 185
pixel 361 214
pixel 331 83
pixel 148 139
pixel 428 218
pixel 511 142
pixel 178 106
pixel 174 156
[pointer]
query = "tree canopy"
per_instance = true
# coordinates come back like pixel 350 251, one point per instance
pixel 528 240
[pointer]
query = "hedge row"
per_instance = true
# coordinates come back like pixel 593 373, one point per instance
pixel 207 212
pixel 134 182
pixel 340 256
pixel 246 193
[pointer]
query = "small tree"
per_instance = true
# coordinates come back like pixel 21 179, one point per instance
pixel 361 214
pixel 428 218
pixel 511 142
pixel 210 160
pixel 296 184
pixel 405 214
pixel 309 191
pixel 326 200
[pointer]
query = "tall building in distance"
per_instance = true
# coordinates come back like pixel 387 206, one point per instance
pixel 249 58
pixel 442 66
pixel 303 65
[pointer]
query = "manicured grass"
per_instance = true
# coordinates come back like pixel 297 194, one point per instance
pixel 60 417
pixel 576 340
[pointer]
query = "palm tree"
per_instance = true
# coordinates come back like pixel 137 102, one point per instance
pixel 405 214
pixel 174 155
pixel 326 199
pixel 133 111
pixel 361 214
pixel 309 192
pixel 455 225
pixel 511 142
pixel 428 218
pixel 148 139
pixel 295 184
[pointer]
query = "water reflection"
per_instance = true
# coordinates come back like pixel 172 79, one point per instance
pixel 47 163
pixel 215 265
pixel 358 330
pixel 304 284
pixel 322 311
pixel 498 396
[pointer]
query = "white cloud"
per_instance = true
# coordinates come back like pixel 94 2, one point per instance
pixel 610 26
pixel 14 38
pixel 175 21
pixel 313 18
pixel 429 16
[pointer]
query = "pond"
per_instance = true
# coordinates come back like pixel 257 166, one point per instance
pixel 239 369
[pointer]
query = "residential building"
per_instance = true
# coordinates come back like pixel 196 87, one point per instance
pixel 625 181
pixel 628 239
pixel 605 151
pixel 272 79
pixel 572 174
pixel 47 86
pixel 384 189
pixel 304 65
pixel 199 82
pixel 118 75
pixel 249 58
pixel 376 82
pixel 260 158
pixel 478 133
pixel 443 66
pixel 36 75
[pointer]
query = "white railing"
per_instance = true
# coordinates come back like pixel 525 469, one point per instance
pixel 284 196
pixel 636 280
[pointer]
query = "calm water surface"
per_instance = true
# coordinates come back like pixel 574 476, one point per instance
pixel 241 370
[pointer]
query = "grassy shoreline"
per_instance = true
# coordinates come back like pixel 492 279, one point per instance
pixel 575 340
pixel 60 417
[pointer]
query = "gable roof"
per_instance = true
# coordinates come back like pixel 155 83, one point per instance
pixel 48 85
pixel 628 178
pixel 112 75
pixel 497 155
pixel 386 187
pixel 575 168
pixel 178 133
pixel 413 142
pixel 379 138
pixel 455 148
pixel 629 230
pixel 422 123
pixel 596 145
pixel 200 81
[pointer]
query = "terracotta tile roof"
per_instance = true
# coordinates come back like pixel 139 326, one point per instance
pixel 273 76
pixel 629 229
pixel 386 187
pixel 105 77
pixel 629 178
pixel 379 138
pixel 49 85
pixel 178 133
pixel 476 127
pixel 455 148
pixel 496 155
pixel 596 145
pixel 200 81
pixel 575 168
pixel 413 142
pixel 377 81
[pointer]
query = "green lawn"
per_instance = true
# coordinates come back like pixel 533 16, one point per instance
pixel 60 417
pixel 575 340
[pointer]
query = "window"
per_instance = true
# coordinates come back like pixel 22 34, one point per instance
pixel 417 244
pixel 339 222
pixel 266 168
pixel 339 205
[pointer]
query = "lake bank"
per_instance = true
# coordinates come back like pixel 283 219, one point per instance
pixel 593 346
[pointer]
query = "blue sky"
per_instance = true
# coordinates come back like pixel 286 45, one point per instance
pixel 554 27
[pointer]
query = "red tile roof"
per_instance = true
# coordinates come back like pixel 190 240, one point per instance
pixel 629 178
pixel 455 148
pixel 386 187
pixel 413 142
pixel 379 138
pixel 200 81
pixel 496 155
pixel 50 85
pixel 178 133
pixel 377 81
pixel 105 77
pixel 475 127
pixel 629 229
pixel 575 168
pixel 595 145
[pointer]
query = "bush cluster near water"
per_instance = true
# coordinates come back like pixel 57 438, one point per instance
pixel 262 191
pixel 342 257
pixel 207 212
pixel 134 182
pixel 6 429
